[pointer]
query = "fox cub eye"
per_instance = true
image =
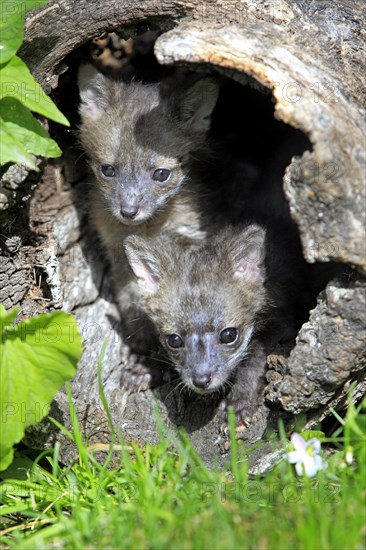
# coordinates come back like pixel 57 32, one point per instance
pixel 174 341
pixel 228 335
pixel 161 175
pixel 107 170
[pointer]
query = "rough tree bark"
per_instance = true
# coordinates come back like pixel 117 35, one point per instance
pixel 310 55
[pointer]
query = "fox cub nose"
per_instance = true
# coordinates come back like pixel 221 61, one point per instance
pixel 201 381
pixel 129 210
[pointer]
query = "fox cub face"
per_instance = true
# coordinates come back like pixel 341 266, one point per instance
pixel 206 300
pixel 138 142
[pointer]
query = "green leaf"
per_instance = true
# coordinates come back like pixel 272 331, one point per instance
pixel 11 150
pixel 19 468
pixel 12 13
pixel 26 130
pixel 11 30
pixel 17 82
pixel 7 317
pixel 36 358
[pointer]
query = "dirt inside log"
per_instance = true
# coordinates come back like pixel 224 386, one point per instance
pixel 280 86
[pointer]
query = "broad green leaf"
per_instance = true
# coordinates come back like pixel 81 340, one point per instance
pixel 36 358
pixel 17 82
pixel 7 317
pixel 11 150
pixel 27 130
pixel 18 469
pixel 12 13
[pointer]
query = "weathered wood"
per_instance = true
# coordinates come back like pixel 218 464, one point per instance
pixel 309 54
pixel 52 32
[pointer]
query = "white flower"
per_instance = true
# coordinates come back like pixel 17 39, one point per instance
pixel 306 456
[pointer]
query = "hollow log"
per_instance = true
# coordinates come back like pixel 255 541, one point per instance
pixel 310 56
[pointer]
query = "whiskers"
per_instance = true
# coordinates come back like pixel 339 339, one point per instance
pixel 82 154
pixel 227 386
pixel 131 335
pixel 178 387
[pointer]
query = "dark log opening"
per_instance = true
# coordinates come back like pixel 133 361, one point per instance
pixel 244 118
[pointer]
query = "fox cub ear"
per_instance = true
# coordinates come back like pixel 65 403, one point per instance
pixel 143 263
pixel 93 87
pixel 247 255
pixel 197 103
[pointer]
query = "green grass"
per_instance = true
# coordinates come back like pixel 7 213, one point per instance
pixel 164 497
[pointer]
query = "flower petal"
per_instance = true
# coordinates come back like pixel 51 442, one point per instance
pixel 298 442
pixel 320 463
pixel 310 466
pixel 294 456
pixel 315 443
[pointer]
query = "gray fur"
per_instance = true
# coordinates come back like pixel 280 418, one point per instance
pixel 134 129
pixel 196 291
